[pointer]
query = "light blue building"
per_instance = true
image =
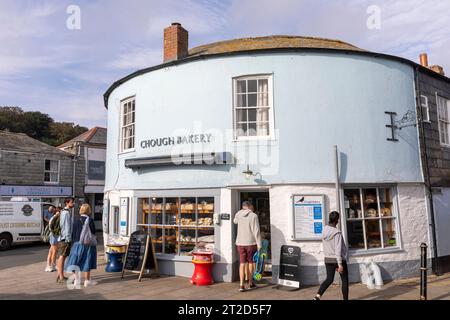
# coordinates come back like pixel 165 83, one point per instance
pixel 260 119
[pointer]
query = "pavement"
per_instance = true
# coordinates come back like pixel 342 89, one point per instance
pixel 22 276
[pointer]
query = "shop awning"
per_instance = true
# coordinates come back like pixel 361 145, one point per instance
pixel 216 158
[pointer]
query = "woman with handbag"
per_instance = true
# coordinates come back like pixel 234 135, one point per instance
pixel 84 250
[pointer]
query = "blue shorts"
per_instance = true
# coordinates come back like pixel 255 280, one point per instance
pixel 53 240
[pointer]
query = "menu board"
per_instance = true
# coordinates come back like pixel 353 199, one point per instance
pixel 308 217
pixel 140 255
pixel 289 274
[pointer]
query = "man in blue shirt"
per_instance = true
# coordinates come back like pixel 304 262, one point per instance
pixel 48 214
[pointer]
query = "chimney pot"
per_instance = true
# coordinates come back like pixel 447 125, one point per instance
pixel 176 42
pixel 424 59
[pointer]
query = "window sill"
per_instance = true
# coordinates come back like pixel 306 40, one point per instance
pixel 173 257
pixel 126 152
pixel 51 183
pixel 362 253
pixel 254 139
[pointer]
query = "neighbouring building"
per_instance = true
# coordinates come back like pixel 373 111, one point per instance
pixel 299 126
pixel 434 112
pixel 35 170
pixel 91 148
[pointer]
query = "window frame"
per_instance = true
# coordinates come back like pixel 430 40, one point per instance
pixel 395 217
pixel 447 122
pixel 122 126
pixel 163 226
pixel 58 172
pixel 425 106
pixel 270 107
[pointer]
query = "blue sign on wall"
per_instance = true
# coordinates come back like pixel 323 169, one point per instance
pixel 317 227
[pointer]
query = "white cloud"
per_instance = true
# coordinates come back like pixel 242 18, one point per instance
pixel 45 66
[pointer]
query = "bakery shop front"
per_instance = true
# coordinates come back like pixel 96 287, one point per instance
pixel 295 125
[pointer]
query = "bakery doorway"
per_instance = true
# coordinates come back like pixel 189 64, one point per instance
pixel 261 203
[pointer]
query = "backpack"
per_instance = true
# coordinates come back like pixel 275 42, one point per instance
pixel 46 234
pixel 87 237
pixel 54 226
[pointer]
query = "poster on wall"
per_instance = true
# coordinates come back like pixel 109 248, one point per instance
pixel 123 226
pixel 308 216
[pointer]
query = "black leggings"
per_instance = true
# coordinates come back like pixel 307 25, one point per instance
pixel 331 269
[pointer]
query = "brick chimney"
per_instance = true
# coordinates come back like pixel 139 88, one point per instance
pixel 175 42
pixel 424 59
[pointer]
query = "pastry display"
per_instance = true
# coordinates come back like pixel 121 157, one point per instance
pixel 178 223
pixel 187 238
pixel 187 207
pixel 205 221
pixel 386 212
pixel 372 213
pixel 187 222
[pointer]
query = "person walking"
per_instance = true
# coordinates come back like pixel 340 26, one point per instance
pixel 335 252
pixel 53 240
pixel 65 237
pixel 248 241
pixel 84 250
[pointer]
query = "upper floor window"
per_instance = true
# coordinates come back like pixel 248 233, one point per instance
pixel 443 106
pixel 425 109
pixel 51 171
pixel 127 124
pixel 253 107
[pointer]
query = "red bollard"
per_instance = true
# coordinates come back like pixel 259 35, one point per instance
pixel 203 262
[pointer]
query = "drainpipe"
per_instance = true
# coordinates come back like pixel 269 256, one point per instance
pixel 336 171
pixel 426 168
pixel 74 161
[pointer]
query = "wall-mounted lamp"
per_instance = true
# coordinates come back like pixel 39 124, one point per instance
pixel 249 173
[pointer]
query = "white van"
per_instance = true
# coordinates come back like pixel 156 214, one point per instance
pixel 21 221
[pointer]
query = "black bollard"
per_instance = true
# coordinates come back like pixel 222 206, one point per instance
pixel 423 271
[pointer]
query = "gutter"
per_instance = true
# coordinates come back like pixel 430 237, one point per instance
pixel 427 179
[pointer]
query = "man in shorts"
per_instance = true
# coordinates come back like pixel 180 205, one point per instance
pixel 248 241
pixel 65 237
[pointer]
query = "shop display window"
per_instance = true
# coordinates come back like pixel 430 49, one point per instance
pixel 178 224
pixel 370 218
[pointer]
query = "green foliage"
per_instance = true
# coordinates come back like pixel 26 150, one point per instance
pixel 38 125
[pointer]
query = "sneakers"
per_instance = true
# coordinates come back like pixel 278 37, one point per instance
pixel 53 268
pixel 48 269
pixel 89 283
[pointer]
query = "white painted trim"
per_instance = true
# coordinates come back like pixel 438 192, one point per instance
pixel 262 76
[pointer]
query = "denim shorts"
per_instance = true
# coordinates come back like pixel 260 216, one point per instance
pixel 53 240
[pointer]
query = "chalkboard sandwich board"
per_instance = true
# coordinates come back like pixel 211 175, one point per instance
pixel 289 273
pixel 140 256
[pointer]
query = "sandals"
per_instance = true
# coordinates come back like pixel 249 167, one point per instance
pixel 242 289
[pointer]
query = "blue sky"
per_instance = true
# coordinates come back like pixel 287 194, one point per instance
pixel 47 67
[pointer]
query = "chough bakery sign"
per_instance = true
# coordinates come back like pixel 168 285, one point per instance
pixel 201 138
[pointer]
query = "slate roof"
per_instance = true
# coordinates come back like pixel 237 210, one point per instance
pixel 271 42
pixel 21 142
pixel 96 135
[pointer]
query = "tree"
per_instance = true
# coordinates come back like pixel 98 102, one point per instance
pixel 38 125
pixel 64 131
